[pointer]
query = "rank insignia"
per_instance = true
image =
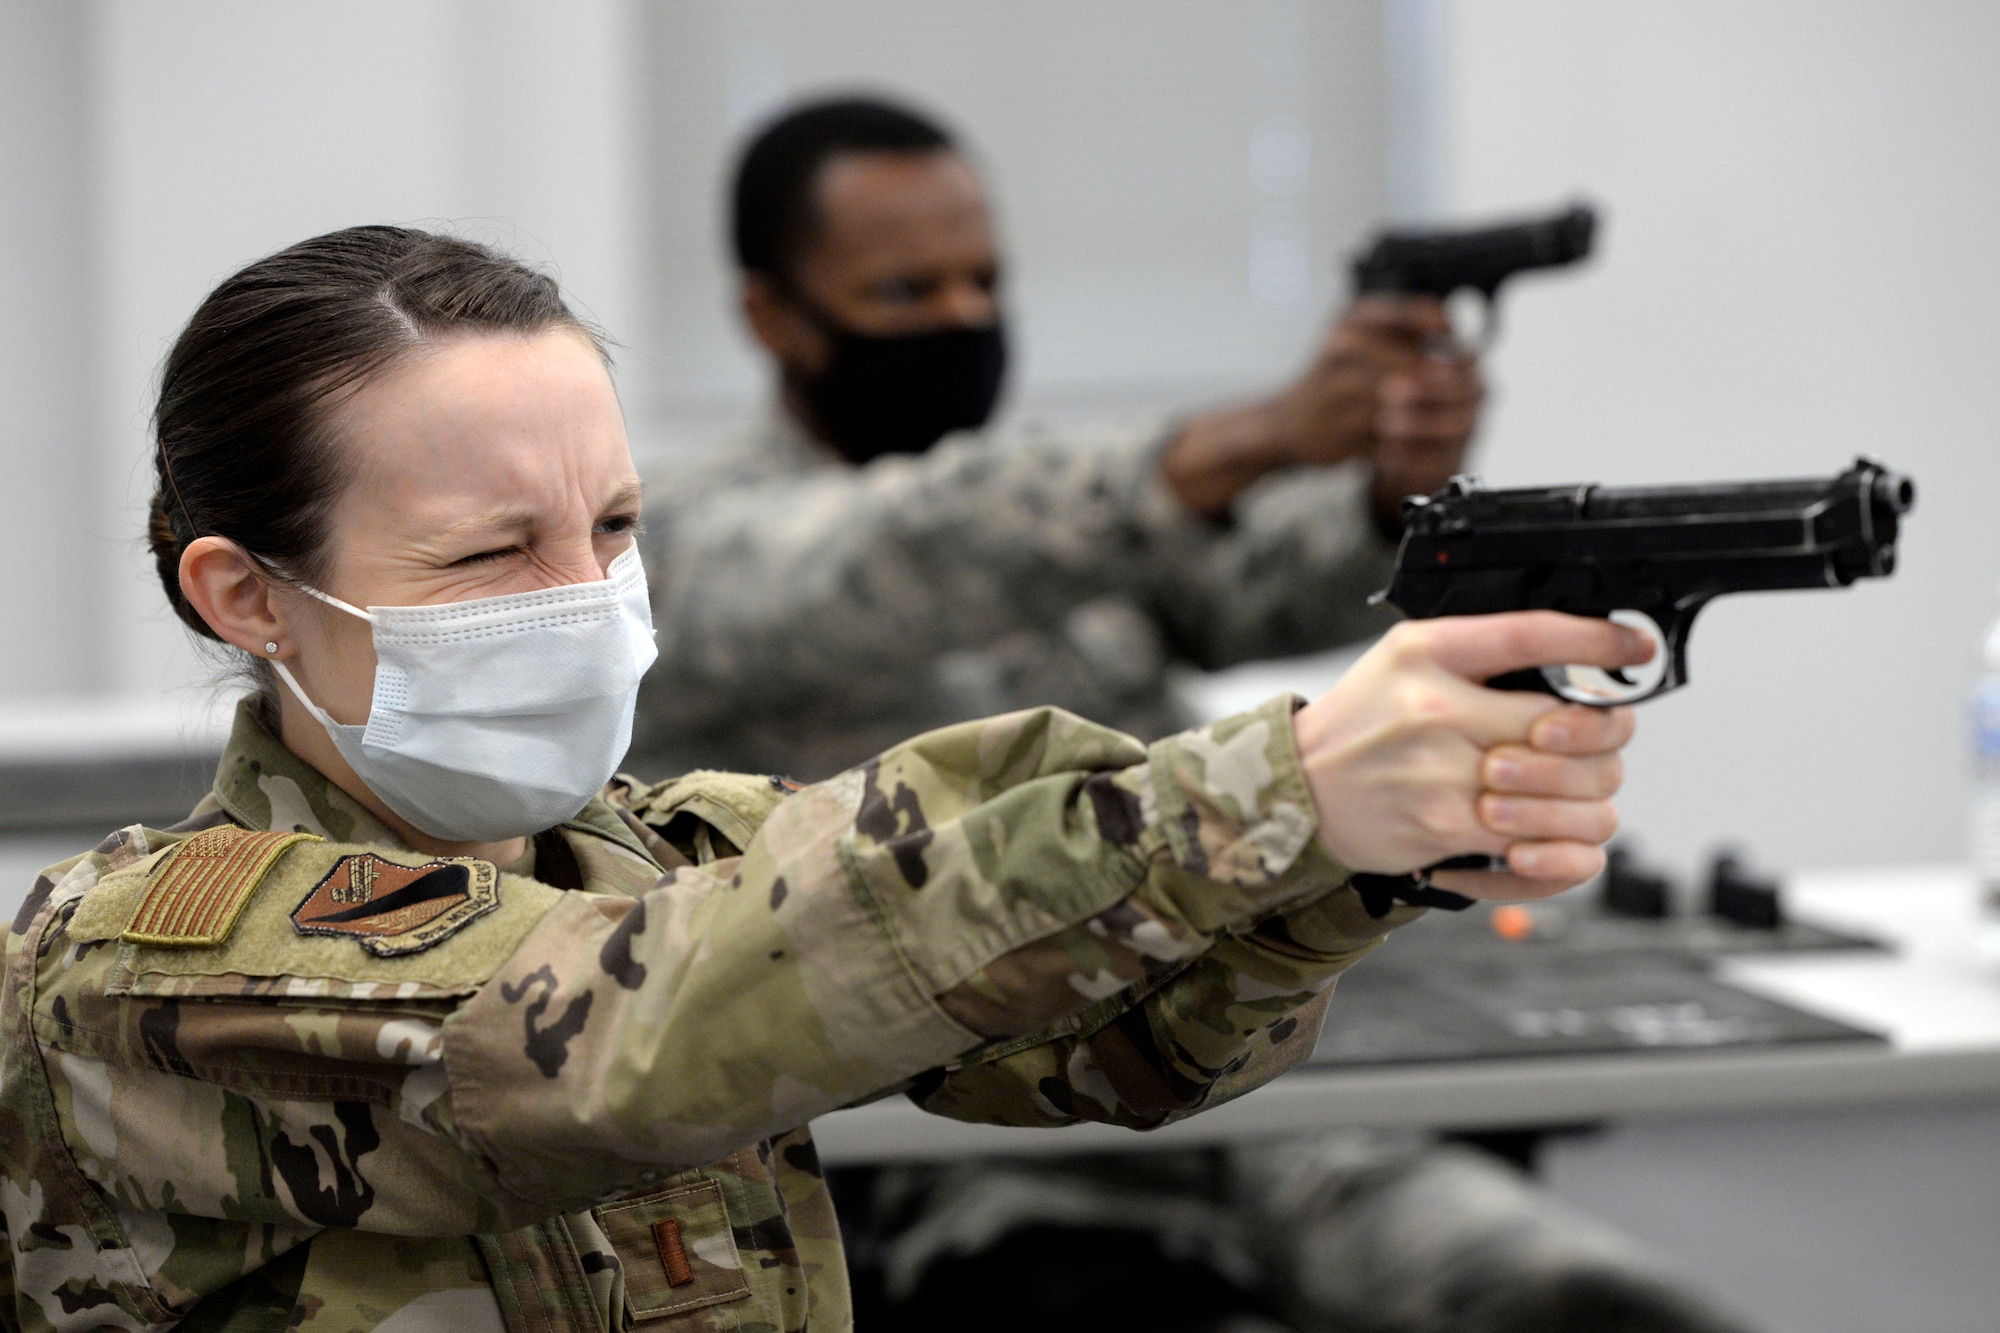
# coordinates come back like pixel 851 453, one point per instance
pixel 394 909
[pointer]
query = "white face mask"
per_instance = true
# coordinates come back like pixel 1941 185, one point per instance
pixel 503 716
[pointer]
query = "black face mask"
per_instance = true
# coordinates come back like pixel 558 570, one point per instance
pixel 900 395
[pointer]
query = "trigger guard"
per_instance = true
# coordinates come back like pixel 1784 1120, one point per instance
pixel 1596 687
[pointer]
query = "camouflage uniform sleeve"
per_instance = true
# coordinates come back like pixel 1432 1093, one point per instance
pixel 1290 573
pixel 975 884
pixel 775 589
pixel 541 1050
pixel 1236 1017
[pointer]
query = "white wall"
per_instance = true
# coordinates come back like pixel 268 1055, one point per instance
pixel 44 446
pixel 1800 265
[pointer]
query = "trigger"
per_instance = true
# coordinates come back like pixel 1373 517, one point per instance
pixel 1608 687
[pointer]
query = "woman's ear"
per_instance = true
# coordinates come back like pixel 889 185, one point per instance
pixel 229 591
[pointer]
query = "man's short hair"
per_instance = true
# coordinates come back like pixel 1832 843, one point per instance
pixel 773 215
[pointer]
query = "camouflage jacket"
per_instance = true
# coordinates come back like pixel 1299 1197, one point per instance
pixel 813 613
pixel 272 1069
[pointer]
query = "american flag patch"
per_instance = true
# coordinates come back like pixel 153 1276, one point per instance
pixel 202 887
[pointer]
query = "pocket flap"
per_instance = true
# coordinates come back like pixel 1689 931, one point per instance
pixel 677 1250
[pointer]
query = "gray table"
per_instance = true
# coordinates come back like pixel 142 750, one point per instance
pixel 1936 996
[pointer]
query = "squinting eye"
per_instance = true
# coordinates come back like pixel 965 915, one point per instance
pixel 482 557
pixel 618 523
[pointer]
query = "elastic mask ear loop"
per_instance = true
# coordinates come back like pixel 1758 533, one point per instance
pixel 320 715
pixel 334 602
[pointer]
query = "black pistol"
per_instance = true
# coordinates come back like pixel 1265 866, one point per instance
pixel 1442 262
pixel 1662 552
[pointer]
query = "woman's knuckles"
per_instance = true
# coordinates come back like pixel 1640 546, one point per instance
pixel 1421 704
pixel 1582 731
pixel 1519 771
pixel 1542 817
pixel 1408 645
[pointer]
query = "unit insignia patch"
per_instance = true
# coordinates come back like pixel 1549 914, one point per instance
pixel 396 909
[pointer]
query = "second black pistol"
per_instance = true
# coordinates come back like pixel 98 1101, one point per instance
pixel 1441 262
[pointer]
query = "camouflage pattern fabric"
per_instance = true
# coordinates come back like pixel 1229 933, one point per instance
pixel 583 1107
pixel 813 613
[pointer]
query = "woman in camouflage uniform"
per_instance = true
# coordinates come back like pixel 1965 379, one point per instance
pixel 388 1035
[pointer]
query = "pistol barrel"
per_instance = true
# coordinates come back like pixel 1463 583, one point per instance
pixel 1594 549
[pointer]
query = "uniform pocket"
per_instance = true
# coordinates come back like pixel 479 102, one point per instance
pixel 677 1250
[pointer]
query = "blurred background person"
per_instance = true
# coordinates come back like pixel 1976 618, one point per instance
pixel 865 559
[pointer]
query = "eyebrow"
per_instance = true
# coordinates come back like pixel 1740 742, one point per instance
pixel 502 518
pixel 513 518
pixel 626 496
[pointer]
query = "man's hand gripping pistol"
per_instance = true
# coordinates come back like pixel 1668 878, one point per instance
pixel 1650 557
pixel 1441 262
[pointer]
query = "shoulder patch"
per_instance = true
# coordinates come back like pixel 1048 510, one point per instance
pixel 198 891
pixel 393 909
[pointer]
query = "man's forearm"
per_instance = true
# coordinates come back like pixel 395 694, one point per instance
pixel 1217 455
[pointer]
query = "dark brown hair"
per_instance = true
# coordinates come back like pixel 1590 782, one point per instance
pixel 243 450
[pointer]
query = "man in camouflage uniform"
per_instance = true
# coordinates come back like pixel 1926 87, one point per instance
pixel 826 584
pixel 272 1069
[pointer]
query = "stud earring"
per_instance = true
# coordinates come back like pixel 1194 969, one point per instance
pixel 270 647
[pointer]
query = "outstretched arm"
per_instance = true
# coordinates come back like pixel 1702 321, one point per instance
pixel 1250 1008
pixel 1244 1012
pixel 544 1049
pixel 562 1047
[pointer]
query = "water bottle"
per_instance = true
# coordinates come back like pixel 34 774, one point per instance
pixel 1983 824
